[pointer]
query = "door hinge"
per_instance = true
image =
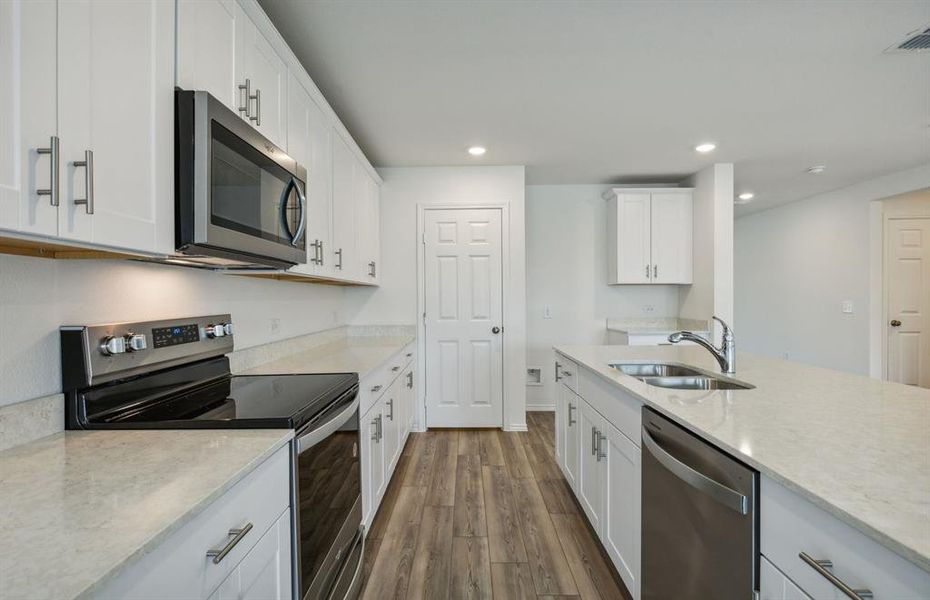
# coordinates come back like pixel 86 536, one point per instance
pixel 424 318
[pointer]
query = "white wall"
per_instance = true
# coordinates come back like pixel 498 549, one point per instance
pixel 566 270
pixel 712 291
pixel 796 264
pixel 38 295
pixel 395 302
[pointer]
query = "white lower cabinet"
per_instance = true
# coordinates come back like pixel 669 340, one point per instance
pixel 591 474
pixel 257 563
pixel 602 466
pixel 265 572
pixel 774 585
pixel 621 514
pixel 388 401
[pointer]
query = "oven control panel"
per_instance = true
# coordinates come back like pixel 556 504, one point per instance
pixel 93 354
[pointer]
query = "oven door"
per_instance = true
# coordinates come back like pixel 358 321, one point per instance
pixel 247 198
pixel 328 497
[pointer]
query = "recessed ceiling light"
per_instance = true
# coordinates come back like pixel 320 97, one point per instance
pixel 746 197
pixel 705 147
pixel 477 150
pixel 817 169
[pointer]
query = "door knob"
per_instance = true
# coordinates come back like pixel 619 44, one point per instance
pixel 895 323
pixel 495 329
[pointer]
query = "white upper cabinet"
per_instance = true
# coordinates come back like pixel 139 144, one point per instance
pixel 265 74
pixel 28 121
pixel 345 210
pixel 222 51
pixel 209 44
pixel 116 122
pixel 649 235
pixel 368 224
pixel 309 142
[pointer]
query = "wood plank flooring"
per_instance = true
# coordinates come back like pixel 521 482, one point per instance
pixel 484 514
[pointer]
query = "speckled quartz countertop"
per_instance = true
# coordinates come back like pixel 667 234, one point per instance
pixel 77 507
pixel 855 446
pixel 354 354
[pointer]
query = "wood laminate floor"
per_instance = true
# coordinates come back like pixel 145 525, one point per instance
pixel 484 514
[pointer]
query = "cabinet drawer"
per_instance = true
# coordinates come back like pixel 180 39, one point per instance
pixel 566 371
pixel 622 410
pixel 791 525
pixel 180 567
pixel 375 383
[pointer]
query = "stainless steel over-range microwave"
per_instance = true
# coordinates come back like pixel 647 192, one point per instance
pixel 240 200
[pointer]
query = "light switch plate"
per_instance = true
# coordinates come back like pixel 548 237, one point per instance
pixel 847 307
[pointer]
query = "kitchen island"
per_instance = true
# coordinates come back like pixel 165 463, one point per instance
pixel 855 448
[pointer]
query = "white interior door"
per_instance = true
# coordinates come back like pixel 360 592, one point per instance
pixel 464 312
pixel 908 281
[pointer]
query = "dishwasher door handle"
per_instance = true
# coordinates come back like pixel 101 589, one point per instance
pixel 716 490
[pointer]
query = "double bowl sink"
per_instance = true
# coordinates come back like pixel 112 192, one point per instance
pixel 679 377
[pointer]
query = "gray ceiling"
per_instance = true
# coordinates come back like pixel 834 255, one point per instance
pixel 606 92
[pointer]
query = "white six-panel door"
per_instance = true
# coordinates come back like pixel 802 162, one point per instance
pixel 908 281
pixel 464 306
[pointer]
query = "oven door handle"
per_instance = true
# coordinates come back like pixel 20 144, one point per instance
pixel 312 438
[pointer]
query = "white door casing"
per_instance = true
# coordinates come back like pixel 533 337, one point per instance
pixel 463 304
pixel 908 301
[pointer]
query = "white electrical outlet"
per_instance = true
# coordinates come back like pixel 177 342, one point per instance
pixel 547 312
pixel 648 309
pixel 786 355
pixel 275 325
pixel 847 307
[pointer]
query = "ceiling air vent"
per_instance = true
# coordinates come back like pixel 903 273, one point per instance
pixel 916 41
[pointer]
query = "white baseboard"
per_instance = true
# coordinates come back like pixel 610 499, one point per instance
pixel 540 407
pixel 517 427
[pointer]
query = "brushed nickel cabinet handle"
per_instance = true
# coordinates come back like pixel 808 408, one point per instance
pixel 655 271
pixel 600 451
pixel 88 164
pixel 257 117
pixel 571 421
pixel 238 534
pixel 377 388
pixel 647 272
pixel 823 568
pixel 339 254
pixel 410 380
pixel 53 184
pixel 593 441
pixel 374 433
pixel 247 88
pixel 391 404
pixel 557 367
pixel 395 369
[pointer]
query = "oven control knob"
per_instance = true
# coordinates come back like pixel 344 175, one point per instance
pixel 215 331
pixel 136 342
pixel 113 345
pixel 228 328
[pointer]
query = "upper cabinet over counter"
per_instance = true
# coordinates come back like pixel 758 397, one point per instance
pixel 89 139
pixel 649 232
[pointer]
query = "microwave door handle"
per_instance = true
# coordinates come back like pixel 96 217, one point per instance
pixel 302 199
pixel 312 438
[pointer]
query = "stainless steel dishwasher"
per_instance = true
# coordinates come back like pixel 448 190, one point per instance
pixel 700 526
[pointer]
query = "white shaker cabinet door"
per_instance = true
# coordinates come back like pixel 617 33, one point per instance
pixel 267 75
pixel 621 533
pixel 344 250
pixel 631 262
pixel 671 237
pixel 116 122
pixel 265 572
pixel 309 143
pixel 590 472
pixel 372 460
pixel 28 120
pixel 209 44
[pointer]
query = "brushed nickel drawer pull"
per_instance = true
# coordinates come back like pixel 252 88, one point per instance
pixel 53 186
pixel 395 369
pixel 377 388
pixel 238 534
pixel 823 568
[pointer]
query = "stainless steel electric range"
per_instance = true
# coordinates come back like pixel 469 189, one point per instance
pixel 174 374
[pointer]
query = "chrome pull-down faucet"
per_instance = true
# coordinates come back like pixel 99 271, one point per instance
pixel 725 354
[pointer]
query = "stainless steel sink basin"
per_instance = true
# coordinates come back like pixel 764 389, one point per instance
pixel 679 377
